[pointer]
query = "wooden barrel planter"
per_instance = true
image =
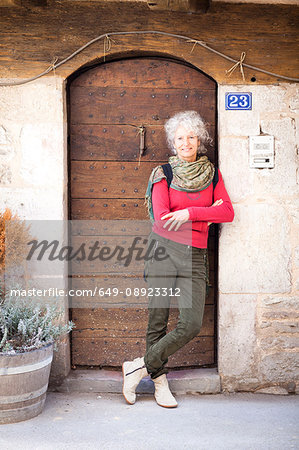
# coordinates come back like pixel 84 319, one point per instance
pixel 24 381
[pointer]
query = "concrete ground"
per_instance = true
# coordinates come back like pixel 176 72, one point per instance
pixel 104 421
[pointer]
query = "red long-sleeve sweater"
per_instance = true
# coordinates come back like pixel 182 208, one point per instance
pixel 199 205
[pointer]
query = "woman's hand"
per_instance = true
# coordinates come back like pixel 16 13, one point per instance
pixel 176 219
pixel 216 203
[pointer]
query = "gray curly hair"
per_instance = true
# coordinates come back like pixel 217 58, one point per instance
pixel 192 121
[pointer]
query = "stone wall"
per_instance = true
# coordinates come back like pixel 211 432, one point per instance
pixel 33 164
pixel 259 251
pixel 33 149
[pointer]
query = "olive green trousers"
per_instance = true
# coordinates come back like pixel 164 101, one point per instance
pixel 179 280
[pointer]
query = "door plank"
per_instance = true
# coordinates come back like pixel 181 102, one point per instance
pixel 97 143
pixel 105 352
pixel 110 255
pixel 145 106
pixel 108 209
pixel 126 322
pixel 99 179
pixel 153 73
pixel 125 295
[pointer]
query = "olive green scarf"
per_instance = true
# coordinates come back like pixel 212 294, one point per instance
pixel 187 176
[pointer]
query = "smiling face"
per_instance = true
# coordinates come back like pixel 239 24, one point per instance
pixel 186 144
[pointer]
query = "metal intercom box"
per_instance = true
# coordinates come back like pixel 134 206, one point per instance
pixel 261 152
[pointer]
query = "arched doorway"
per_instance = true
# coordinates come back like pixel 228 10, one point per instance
pixel 108 177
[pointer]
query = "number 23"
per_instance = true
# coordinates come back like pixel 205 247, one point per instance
pixel 241 101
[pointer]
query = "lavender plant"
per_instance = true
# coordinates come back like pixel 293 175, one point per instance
pixel 26 325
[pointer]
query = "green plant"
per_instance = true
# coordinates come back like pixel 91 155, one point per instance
pixel 27 325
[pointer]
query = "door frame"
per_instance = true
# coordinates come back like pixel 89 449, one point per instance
pixel 172 58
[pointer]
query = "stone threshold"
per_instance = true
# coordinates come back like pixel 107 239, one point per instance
pixel 204 381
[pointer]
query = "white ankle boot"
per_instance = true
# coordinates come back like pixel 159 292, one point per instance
pixel 163 395
pixel 133 372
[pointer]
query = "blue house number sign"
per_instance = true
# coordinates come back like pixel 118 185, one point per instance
pixel 238 100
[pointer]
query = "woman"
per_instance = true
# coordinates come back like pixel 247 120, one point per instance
pixel 182 214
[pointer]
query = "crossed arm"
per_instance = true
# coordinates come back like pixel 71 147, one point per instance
pixel 220 211
pixel 177 218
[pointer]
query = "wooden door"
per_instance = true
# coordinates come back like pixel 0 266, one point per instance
pixel 108 182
